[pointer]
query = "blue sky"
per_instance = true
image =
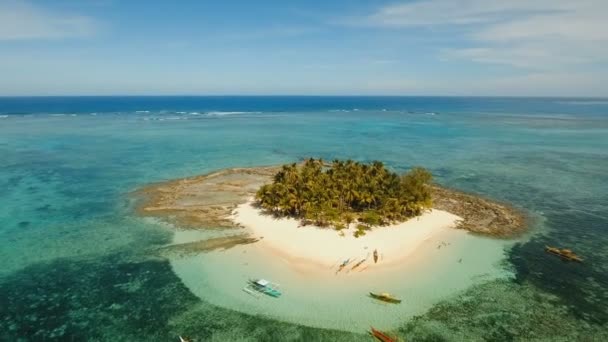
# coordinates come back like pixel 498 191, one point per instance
pixel 331 47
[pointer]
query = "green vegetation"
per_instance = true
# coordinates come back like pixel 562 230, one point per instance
pixel 346 192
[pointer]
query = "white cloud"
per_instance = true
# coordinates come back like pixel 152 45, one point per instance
pixel 22 21
pixel 532 56
pixel 537 34
pixel 566 83
pixel 463 12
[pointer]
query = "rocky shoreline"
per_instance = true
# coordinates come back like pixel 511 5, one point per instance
pixel 203 201
pixel 206 201
pixel 480 215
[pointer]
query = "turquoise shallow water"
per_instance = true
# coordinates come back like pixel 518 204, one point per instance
pixel 77 264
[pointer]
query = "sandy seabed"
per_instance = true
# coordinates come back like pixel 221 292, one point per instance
pixel 325 247
pixel 422 261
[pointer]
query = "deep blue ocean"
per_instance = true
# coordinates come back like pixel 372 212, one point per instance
pixel 77 264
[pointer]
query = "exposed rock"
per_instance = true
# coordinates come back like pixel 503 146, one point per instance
pixel 481 216
pixel 206 201
pixel 203 201
pixel 209 244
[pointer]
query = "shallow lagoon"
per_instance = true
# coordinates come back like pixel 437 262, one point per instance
pixel 76 262
pixel 341 301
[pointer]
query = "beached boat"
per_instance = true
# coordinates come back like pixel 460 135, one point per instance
pixel 358 264
pixel 381 336
pixel 344 264
pixel 565 254
pixel 385 297
pixel 262 286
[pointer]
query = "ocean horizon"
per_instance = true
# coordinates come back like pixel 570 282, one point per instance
pixel 108 103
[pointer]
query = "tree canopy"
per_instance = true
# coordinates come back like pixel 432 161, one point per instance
pixel 345 192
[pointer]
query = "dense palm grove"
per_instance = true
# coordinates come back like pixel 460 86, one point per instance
pixel 344 192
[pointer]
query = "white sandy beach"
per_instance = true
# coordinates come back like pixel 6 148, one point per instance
pixel 422 262
pixel 325 247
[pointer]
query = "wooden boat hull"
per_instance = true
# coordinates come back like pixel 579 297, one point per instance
pixel 384 298
pixel 267 290
pixel 382 336
pixel 358 264
pixel 565 256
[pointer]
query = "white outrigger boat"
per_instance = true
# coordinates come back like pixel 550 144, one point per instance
pixel 257 286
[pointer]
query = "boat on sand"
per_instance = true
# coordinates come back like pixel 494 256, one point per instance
pixel 344 264
pixel 262 286
pixel 358 264
pixel 381 336
pixel 385 297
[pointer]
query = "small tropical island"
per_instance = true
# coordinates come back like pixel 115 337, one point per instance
pixel 348 206
pixel 353 233
pixel 346 192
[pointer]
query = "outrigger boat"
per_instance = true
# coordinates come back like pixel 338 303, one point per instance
pixel 565 254
pixel 385 297
pixel 343 264
pixel 256 286
pixel 381 336
pixel 358 264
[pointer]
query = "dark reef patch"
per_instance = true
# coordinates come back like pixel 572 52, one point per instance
pixel 491 312
pixel 89 300
pixel 119 299
pixel 23 224
pixel 583 287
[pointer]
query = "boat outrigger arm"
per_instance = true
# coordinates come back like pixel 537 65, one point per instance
pixel 252 292
pixel 257 286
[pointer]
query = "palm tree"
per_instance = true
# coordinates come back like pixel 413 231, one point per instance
pixel 339 192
